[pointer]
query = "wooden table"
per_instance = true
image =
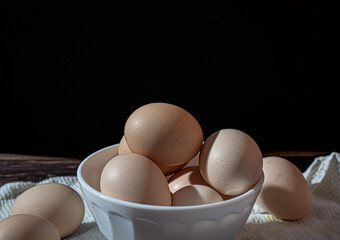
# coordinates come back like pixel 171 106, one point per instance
pixel 14 167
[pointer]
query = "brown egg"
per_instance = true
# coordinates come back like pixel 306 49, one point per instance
pixel 285 192
pixel 135 178
pixel 58 203
pixel 227 197
pixel 165 133
pixel 123 148
pixel 170 169
pixel 194 161
pixel 195 195
pixel 27 227
pixel 230 161
pixel 185 177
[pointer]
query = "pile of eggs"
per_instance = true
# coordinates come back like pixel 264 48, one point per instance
pixel 159 140
pixel 47 211
pixel 155 164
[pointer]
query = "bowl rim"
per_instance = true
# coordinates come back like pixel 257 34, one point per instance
pixel 115 201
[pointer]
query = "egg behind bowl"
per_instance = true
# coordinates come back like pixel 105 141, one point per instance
pixel 123 148
pixel 195 194
pixel 285 192
pixel 185 177
pixel 135 178
pixel 167 134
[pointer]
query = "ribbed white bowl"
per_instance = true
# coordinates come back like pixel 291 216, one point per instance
pixel 122 220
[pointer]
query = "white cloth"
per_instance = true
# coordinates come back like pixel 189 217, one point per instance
pixel 323 221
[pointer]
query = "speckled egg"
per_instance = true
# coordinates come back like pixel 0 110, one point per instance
pixel 230 161
pixel 167 134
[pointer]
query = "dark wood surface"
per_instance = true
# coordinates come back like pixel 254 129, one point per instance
pixel 15 167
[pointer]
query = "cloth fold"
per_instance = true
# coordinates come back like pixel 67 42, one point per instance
pixel 322 222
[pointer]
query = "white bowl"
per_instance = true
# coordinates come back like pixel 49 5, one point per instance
pixel 122 220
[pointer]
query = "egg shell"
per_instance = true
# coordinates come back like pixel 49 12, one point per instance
pixel 285 192
pixel 27 227
pixel 170 169
pixel 230 161
pixel 135 178
pixel 195 195
pixel 227 197
pixel 165 133
pixel 185 177
pixel 194 161
pixel 123 148
pixel 58 203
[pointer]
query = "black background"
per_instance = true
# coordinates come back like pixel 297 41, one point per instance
pixel 72 71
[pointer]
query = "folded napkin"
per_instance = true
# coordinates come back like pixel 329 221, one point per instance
pixel 322 222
